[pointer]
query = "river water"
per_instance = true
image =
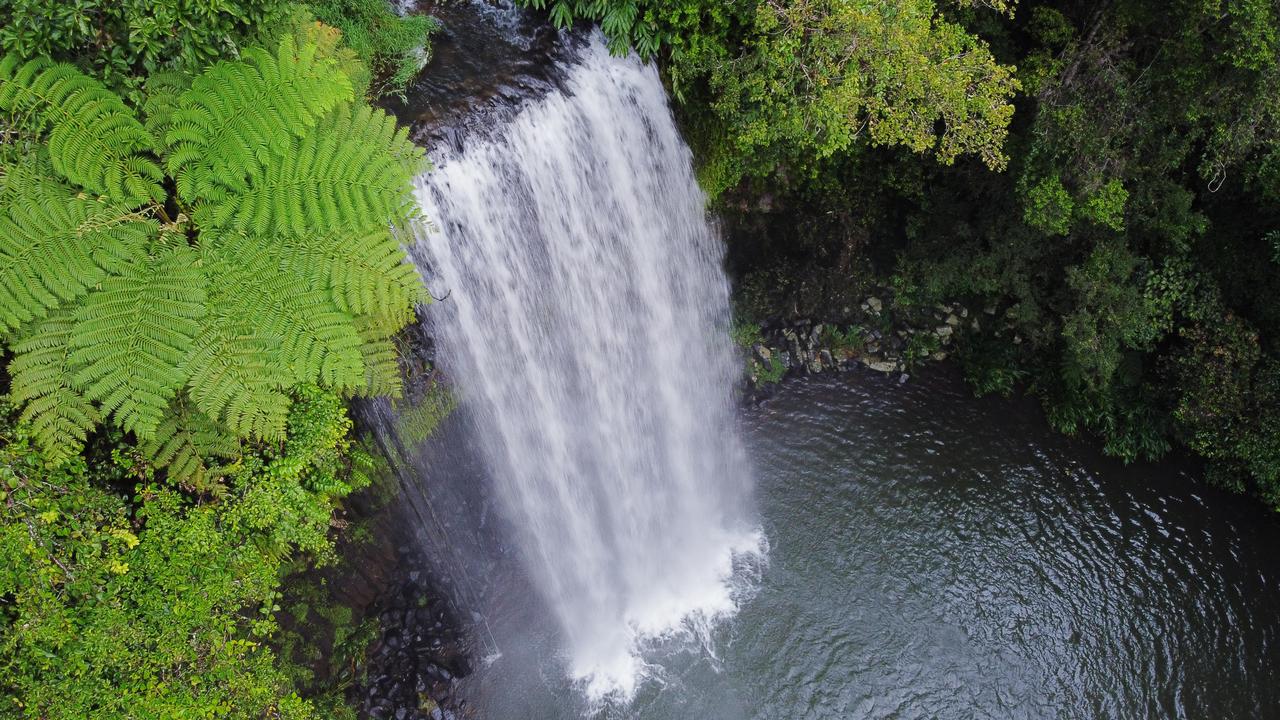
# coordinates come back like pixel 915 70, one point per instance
pixel 936 556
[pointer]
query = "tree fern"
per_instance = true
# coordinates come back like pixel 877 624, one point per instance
pixel 238 117
pixel 185 441
pixel 318 342
pixel 381 358
pixel 132 336
pixel 339 174
pixel 367 273
pixel 278 272
pixel 163 91
pixel 235 375
pixel 92 137
pixel 41 383
pixel 55 245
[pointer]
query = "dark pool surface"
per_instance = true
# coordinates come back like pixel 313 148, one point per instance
pixel 937 556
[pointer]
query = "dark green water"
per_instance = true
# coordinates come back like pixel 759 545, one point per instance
pixel 936 556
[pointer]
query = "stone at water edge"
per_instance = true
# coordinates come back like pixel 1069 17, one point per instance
pixel 884 366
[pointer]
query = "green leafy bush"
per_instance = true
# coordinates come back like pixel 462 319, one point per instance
pixel 155 603
pixel 121 41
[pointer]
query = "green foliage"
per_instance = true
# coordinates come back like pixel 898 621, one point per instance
pixel 93 140
pixel 121 40
pixel 920 346
pixel 131 335
pixel 396 47
pixel 781 86
pixel 157 605
pixel 769 373
pixel 237 113
pixel 840 341
pixel 278 270
pixel 55 245
pixel 1049 207
pixel 745 334
pixel 1106 206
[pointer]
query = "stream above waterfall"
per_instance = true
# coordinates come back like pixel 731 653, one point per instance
pixel 933 555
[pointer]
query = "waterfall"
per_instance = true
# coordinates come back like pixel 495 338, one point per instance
pixel 586 328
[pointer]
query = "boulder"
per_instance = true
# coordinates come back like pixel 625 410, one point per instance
pixel 881 365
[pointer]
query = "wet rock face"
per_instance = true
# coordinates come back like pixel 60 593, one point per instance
pixel 420 654
pixel 488 59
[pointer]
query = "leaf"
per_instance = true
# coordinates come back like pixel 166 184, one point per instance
pixel 132 336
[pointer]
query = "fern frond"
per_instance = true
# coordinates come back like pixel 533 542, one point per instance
pixel 367 273
pixel 238 116
pixel 55 245
pixel 41 384
pixel 235 375
pixel 163 90
pixel 318 342
pixel 132 335
pixel 94 140
pixel 183 443
pixel 381 360
pixel 353 170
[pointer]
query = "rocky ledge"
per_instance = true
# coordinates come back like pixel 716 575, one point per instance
pixel 882 336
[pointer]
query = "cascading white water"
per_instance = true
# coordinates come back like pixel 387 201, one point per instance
pixel 586 325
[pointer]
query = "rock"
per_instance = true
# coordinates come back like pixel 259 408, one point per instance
pixel 902 379
pixel 953 320
pixel 814 366
pixel 943 331
pixel 964 312
pixel 762 353
pixel 938 356
pixel 975 325
pixel 881 365
pixel 825 357
pixel 875 304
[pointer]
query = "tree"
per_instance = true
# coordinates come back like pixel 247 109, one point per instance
pixel 776 87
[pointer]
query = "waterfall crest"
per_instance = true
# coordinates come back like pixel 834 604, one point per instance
pixel 586 327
